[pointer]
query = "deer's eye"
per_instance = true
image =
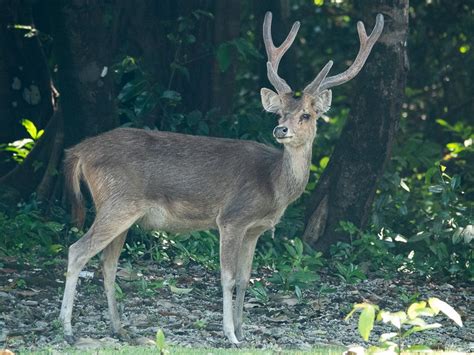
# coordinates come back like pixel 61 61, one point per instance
pixel 305 116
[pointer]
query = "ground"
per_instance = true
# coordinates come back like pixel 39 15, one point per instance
pixel 190 315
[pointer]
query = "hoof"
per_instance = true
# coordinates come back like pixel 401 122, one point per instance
pixel 237 345
pixel 239 334
pixel 70 339
pixel 232 338
pixel 123 335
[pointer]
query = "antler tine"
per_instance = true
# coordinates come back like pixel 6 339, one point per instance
pixel 275 54
pixel 314 85
pixel 366 44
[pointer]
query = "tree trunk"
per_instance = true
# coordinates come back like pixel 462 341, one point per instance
pixel 84 50
pixel 25 80
pixel 85 46
pixel 226 28
pixel 346 189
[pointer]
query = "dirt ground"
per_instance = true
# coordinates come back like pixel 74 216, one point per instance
pixel 30 298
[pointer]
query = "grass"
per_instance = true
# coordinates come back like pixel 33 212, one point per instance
pixel 145 350
pixel 172 350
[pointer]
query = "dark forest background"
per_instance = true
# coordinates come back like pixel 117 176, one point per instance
pixel 391 184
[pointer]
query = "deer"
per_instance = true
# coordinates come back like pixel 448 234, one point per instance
pixel 181 183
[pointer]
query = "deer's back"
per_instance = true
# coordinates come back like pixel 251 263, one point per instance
pixel 180 177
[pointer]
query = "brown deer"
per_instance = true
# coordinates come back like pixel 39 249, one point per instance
pixel 178 183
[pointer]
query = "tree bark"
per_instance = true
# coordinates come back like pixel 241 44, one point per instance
pixel 347 187
pixel 85 45
pixel 25 90
pixel 84 50
pixel 226 28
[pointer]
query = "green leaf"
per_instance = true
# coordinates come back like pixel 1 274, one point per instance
pixel 181 69
pixel 350 314
pixel 160 340
pixel 171 95
pixel 366 321
pixel 246 49
pixel 429 174
pixel 356 307
pixel 55 248
pixel 30 128
pixel 387 336
pixel 437 305
pixel 290 249
pixel 298 292
pixel 436 189
pixel 224 54
pixel 145 103
pixel 404 185
pixel 420 329
pixel 396 318
pixel 298 246
pixel 418 348
pixel 131 89
pixel 455 182
pixel 414 308
pixel 324 162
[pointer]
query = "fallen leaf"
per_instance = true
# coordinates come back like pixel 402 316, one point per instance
pixel 127 275
pixel 180 291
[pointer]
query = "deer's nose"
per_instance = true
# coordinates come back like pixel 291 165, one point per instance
pixel 280 131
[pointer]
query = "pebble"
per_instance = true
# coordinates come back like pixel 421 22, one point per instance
pixel 30 303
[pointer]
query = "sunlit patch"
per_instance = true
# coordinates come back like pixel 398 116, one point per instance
pixel 400 238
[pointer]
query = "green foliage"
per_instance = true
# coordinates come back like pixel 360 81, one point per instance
pixel 259 291
pixel 179 249
pixel 294 269
pixel 19 149
pixel 145 102
pixel 245 49
pixel 26 231
pixel 433 221
pixel 405 323
pixel 350 273
pixel 200 324
pixel 160 341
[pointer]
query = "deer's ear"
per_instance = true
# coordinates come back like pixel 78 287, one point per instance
pixel 325 99
pixel 322 102
pixel 270 100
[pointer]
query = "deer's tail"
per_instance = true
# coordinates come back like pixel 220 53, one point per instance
pixel 73 176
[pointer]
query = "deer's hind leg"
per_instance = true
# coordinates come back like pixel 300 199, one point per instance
pixel 110 222
pixel 110 257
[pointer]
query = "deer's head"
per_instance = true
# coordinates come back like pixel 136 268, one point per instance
pixel 298 114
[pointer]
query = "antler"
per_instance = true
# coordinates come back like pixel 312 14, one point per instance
pixel 275 54
pixel 321 83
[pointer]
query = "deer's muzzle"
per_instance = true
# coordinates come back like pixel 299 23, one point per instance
pixel 280 132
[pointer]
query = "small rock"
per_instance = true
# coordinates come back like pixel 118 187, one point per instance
pixel 143 341
pixel 30 303
pixel 40 325
pixel 6 295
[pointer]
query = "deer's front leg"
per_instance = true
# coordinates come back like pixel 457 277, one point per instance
pixel 244 268
pixel 229 248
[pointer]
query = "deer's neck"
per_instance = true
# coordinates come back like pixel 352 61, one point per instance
pixel 294 173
